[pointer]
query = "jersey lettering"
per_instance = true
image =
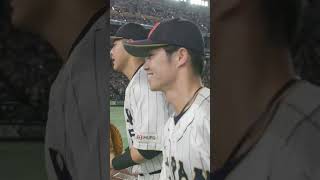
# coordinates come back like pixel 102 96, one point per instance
pixel 167 162
pixel 130 119
pixel 199 174
pixel 174 166
pixel 182 173
pixel 131 132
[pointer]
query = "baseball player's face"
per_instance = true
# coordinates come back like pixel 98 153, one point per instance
pixel 119 56
pixel 161 70
pixel 29 14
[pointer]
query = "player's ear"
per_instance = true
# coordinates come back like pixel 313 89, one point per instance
pixel 182 56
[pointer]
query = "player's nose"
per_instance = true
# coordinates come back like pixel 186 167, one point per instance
pixel 111 54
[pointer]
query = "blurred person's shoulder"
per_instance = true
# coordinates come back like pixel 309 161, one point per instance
pixel 303 104
pixel 299 130
pixel 92 37
pixel 89 49
pixel 290 146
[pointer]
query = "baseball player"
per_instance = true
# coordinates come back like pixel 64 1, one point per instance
pixel 145 111
pixel 75 141
pixel 266 124
pixel 174 53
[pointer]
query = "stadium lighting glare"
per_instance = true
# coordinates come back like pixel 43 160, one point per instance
pixel 199 2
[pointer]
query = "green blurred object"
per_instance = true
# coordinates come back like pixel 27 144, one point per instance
pixel 22 161
pixel 117 118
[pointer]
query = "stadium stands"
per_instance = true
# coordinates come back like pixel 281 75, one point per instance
pixel 150 11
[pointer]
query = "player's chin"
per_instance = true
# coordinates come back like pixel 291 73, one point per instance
pixel 153 87
pixel 114 67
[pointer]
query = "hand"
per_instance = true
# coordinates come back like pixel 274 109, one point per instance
pixel 112 173
pixel 123 173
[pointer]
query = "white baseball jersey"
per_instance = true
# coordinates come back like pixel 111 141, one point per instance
pixel 186 150
pixel 146 113
pixel 289 149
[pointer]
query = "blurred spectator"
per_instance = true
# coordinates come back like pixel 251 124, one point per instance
pixel 28 66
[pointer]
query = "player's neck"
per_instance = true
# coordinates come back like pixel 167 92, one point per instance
pixel 244 82
pixel 182 92
pixel 63 29
pixel 132 67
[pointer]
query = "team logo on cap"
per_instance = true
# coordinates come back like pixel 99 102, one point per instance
pixel 153 28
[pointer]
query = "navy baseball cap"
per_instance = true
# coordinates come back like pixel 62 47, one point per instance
pixel 130 31
pixel 177 32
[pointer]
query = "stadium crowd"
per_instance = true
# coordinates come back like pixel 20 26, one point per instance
pixel 27 69
pixel 151 11
pixel 28 66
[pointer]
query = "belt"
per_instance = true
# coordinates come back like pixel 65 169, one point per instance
pixel 154 172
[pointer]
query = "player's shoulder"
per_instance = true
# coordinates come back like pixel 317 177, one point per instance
pixel 300 151
pixel 201 107
pixel 203 96
pixel 102 21
pixel 202 101
pixel 304 97
pixel 90 44
pixel 139 80
pixel 89 33
pixel 303 105
pixel 305 147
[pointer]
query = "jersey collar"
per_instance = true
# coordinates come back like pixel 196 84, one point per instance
pixel 180 128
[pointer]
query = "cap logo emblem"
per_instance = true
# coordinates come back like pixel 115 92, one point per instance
pixel 153 28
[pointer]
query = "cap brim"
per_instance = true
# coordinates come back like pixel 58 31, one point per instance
pixel 114 38
pixel 142 48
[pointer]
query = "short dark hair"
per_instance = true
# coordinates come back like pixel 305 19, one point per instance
pixel 197 60
pixel 283 19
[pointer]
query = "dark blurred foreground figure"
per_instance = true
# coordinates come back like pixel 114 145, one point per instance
pixel 305 51
pixel 266 119
pixel 28 66
pixel 76 137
